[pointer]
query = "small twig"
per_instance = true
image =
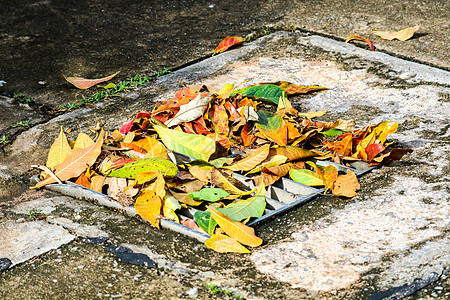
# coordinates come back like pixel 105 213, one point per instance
pixel 48 171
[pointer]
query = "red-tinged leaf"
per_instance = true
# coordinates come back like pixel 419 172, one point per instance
pixel 75 163
pixel 83 83
pixel 185 95
pixel 357 37
pixel 220 120
pixel 127 126
pixel 247 135
pixel 120 163
pixel 228 42
pixel 191 224
pixel 188 127
pixel 373 150
pixel 232 111
pixel 402 35
pixel 222 243
pixel 330 175
pixel 225 141
pixel 134 147
pixel 199 129
pixel 148 205
pixel 344 146
pixel 272 127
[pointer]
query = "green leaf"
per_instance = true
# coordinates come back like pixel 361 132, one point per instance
pixel 219 162
pixel 333 132
pixel 154 164
pixel 266 91
pixel 205 221
pixel 209 194
pixel 306 177
pixel 253 207
pixel 193 145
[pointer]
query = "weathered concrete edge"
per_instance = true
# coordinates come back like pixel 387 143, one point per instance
pixel 408 70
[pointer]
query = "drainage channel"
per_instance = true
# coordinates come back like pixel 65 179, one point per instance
pixel 282 196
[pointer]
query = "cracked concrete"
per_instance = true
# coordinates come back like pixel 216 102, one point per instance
pixel 393 231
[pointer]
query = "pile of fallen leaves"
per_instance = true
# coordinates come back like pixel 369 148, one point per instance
pixel 253 130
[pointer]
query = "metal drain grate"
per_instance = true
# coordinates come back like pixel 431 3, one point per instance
pixel 283 195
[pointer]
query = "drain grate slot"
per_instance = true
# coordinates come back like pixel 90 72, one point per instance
pixel 283 195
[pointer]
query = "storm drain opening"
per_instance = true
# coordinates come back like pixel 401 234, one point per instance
pixel 282 196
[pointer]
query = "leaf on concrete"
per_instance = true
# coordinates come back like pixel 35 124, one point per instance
pixel 293 89
pixel 269 92
pixel 222 243
pixel 238 231
pixel 75 162
pixel 193 145
pixel 228 42
pixel 402 35
pixel 373 150
pixel 346 185
pixel 83 83
pixel 148 205
pixel 205 221
pixel 357 37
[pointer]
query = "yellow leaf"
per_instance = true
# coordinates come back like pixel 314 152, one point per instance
pixel 97 182
pixel 238 231
pixel 58 151
pixel 155 148
pixel 346 185
pixel 83 141
pixel 148 206
pixel 313 114
pixel 401 35
pixel 222 243
pixel 251 160
pixel 75 163
pixel 158 186
pixel 227 183
pixel 169 213
pixel 271 161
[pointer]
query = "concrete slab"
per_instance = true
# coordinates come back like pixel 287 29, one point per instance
pixel 331 248
pixel 20 242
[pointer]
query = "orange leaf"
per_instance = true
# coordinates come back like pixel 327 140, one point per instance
pixel 238 231
pixel 266 178
pixel 272 127
pixel 247 137
pixel 83 83
pixel 357 37
pixel 223 243
pixel 148 205
pixel 75 163
pixel 330 175
pixel 401 35
pixel 83 180
pixel 292 153
pixel 228 42
pixel 220 120
pixel 251 160
pixel 344 146
pixel 346 185
pixel 153 147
